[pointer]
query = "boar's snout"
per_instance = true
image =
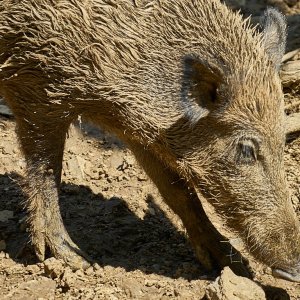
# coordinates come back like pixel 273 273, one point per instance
pixel 292 274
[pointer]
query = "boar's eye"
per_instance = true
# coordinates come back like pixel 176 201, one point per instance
pixel 246 152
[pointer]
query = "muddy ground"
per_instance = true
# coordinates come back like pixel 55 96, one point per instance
pixel 113 212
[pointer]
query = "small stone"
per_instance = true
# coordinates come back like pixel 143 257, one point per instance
pixel 2 245
pixel 89 270
pixel 23 224
pixel 5 111
pixel 186 266
pixel 79 273
pixel 116 159
pixel 5 215
pixel 151 211
pixel 96 266
pixel 142 177
pixel 68 279
pixel 8 148
pixel 130 160
pixel 235 4
pixel 127 178
pixel 54 268
pixel 99 273
pixel 267 270
pixel 156 267
pixel 75 167
pixel 133 289
pixel 32 269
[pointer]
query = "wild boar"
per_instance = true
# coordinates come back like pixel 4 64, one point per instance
pixel 188 85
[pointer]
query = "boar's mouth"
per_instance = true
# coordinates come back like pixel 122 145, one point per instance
pixel 289 273
pixel 291 276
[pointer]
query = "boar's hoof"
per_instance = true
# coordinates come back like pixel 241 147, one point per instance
pixel 62 247
pixel 76 259
pixel 237 263
pixel 291 275
pixel 72 255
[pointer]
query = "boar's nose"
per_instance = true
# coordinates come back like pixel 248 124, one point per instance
pixel 292 274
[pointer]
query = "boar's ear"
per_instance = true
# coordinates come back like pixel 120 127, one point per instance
pixel 274 35
pixel 201 81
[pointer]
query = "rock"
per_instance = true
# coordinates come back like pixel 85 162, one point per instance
pixel 54 268
pixel 89 271
pixel 8 149
pixel 286 6
pixel 151 211
pixel 91 170
pixel 75 167
pixel 96 267
pixel 130 160
pixel 133 289
pixel 81 163
pixel 33 269
pixel 116 159
pixel 2 245
pixel 142 177
pixel 69 279
pixel 5 215
pixel 5 111
pixel 33 289
pixel 229 286
pixel 236 3
pixel 290 73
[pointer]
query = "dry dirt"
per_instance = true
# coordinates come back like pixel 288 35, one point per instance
pixel 113 212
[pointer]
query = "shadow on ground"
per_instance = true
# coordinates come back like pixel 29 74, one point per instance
pixel 109 232
pixel 106 229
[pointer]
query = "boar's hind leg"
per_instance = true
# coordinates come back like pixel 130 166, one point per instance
pixel 208 243
pixel 42 142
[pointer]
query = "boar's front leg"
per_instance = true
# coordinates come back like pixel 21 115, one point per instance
pixel 42 141
pixel 210 246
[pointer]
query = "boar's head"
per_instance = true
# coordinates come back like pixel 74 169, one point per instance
pixel 236 157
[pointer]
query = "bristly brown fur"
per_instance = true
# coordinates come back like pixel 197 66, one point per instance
pixel 183 83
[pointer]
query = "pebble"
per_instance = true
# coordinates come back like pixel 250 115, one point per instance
pixel 89 270
pixel 54 268
pixel 96 266
pixel 5 215
pixel 151 211
pixel 2 245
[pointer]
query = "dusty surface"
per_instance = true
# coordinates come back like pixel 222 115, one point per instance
pixel 114 213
